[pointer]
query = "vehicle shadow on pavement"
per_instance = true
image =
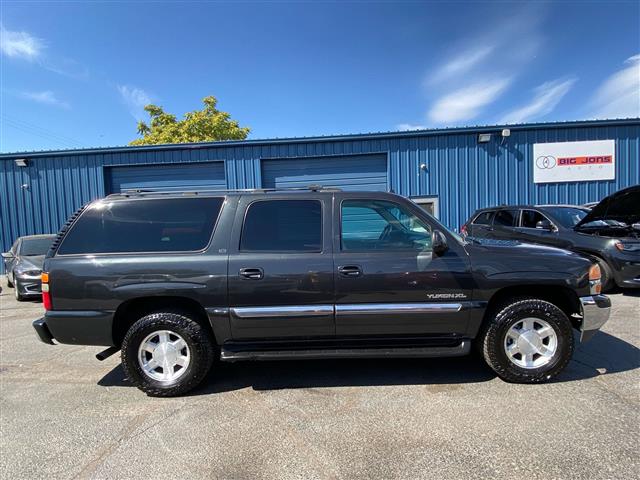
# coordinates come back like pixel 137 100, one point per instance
pixel 604 354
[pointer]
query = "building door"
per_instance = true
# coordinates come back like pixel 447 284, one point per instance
pixel 169 177
pixel 352 172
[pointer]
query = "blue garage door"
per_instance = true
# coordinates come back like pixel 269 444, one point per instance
pixel 184 176
pixel 354 172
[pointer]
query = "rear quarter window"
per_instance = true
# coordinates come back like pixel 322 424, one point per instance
pixel 143 225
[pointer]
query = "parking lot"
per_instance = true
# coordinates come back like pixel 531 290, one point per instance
pixel 66 415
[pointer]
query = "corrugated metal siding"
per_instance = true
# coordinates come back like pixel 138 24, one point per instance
pixel 194 176
pixel 356 172
pixel 463 174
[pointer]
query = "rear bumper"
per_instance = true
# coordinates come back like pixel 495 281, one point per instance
pixel 43 332
pixel 595 313
pixel 76 327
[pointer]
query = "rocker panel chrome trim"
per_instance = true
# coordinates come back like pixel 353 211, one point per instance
pixel 284 311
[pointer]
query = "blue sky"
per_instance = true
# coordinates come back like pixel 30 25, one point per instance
pixel 76 74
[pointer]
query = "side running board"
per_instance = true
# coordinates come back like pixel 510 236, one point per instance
pixel 400 352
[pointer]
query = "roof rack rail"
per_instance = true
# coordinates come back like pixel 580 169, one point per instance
pixel 143 192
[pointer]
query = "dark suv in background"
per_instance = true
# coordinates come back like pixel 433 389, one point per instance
pixel 609 232
pixel 176 279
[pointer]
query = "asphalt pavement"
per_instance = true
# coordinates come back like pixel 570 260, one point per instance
pixel 66 415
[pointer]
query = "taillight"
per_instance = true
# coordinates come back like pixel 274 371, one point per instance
pixel 46 296
pixel 463 229
pixel 595 284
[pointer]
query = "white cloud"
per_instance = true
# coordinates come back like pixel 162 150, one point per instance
pixel 461 63
pixel 467 102
pixel 545 99
pixel 409 126
pixel 46 97
pixel 135 99
pixel 20 44
pixel 481 66
pixel 619 95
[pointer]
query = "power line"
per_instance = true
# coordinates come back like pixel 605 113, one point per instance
pixel 41 132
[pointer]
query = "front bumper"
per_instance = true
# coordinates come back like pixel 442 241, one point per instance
pixel 28 286
pixel 595 313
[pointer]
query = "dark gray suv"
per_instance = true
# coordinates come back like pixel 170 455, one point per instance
pixel 608 232
pixel 177 279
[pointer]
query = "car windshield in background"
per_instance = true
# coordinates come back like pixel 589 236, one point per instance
pixel 566 216
pixel 35 246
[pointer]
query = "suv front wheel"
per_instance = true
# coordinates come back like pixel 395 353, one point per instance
pixel 167 354
pixel 527 341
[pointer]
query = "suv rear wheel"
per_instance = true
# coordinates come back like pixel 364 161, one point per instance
pixel 528 341
pixel 167 354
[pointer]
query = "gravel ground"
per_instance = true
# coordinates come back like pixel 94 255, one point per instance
pixel 66 415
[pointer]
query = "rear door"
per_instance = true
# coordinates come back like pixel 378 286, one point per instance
pixel 388 281
pixel 481 226
pixel 281 268
pixel 504 223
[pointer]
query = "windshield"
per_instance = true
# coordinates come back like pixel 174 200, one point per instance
pixel 35 246
pixel 568 217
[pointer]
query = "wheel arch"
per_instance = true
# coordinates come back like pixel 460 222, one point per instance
pixel 563 297
pixel 129 311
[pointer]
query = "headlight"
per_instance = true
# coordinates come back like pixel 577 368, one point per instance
pixel 29 273
pixel 627 247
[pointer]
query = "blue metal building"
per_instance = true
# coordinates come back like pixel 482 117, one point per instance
pixel 451 171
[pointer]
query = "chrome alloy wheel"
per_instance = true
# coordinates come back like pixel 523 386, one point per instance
pixel 531 343
pixel 164 356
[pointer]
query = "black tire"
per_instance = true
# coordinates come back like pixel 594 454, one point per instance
pixel 607 275
pixel 9 283
pixel 197 338
pixel 492 339
pixel 18 295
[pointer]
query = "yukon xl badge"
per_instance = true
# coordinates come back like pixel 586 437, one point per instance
pixel 445 296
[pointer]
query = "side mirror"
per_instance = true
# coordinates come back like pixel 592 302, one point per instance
pixel 7 255
pixel 545 225
pixel 439 242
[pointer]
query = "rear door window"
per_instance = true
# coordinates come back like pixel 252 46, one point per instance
pixel 143 225
pixel 282 226
pixel 506 218
pixel 483 219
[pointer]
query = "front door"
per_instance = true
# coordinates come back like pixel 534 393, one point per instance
pixel 281 268
pixel 388 281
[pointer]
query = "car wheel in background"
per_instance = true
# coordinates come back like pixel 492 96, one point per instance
pixel 9 283
pixel 528 340
pixel 607 275
pixel 18 295
pixel 167 354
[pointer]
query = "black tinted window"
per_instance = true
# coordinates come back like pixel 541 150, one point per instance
pixel 35 246
pixel 506 218
pixel 283 226
pixel 483 219
pixel 167 225
pixel 530 218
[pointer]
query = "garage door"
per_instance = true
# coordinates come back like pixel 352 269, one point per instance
pixel 355 172
pixel 185 176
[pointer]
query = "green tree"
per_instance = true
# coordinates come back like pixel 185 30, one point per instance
pixel 206 125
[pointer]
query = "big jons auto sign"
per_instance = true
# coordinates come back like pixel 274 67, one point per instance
pixel 574 161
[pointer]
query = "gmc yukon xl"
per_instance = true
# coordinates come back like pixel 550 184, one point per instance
pixel 176 280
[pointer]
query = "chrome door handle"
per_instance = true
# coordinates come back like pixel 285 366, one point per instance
pixel 252 273
pixel 350 270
